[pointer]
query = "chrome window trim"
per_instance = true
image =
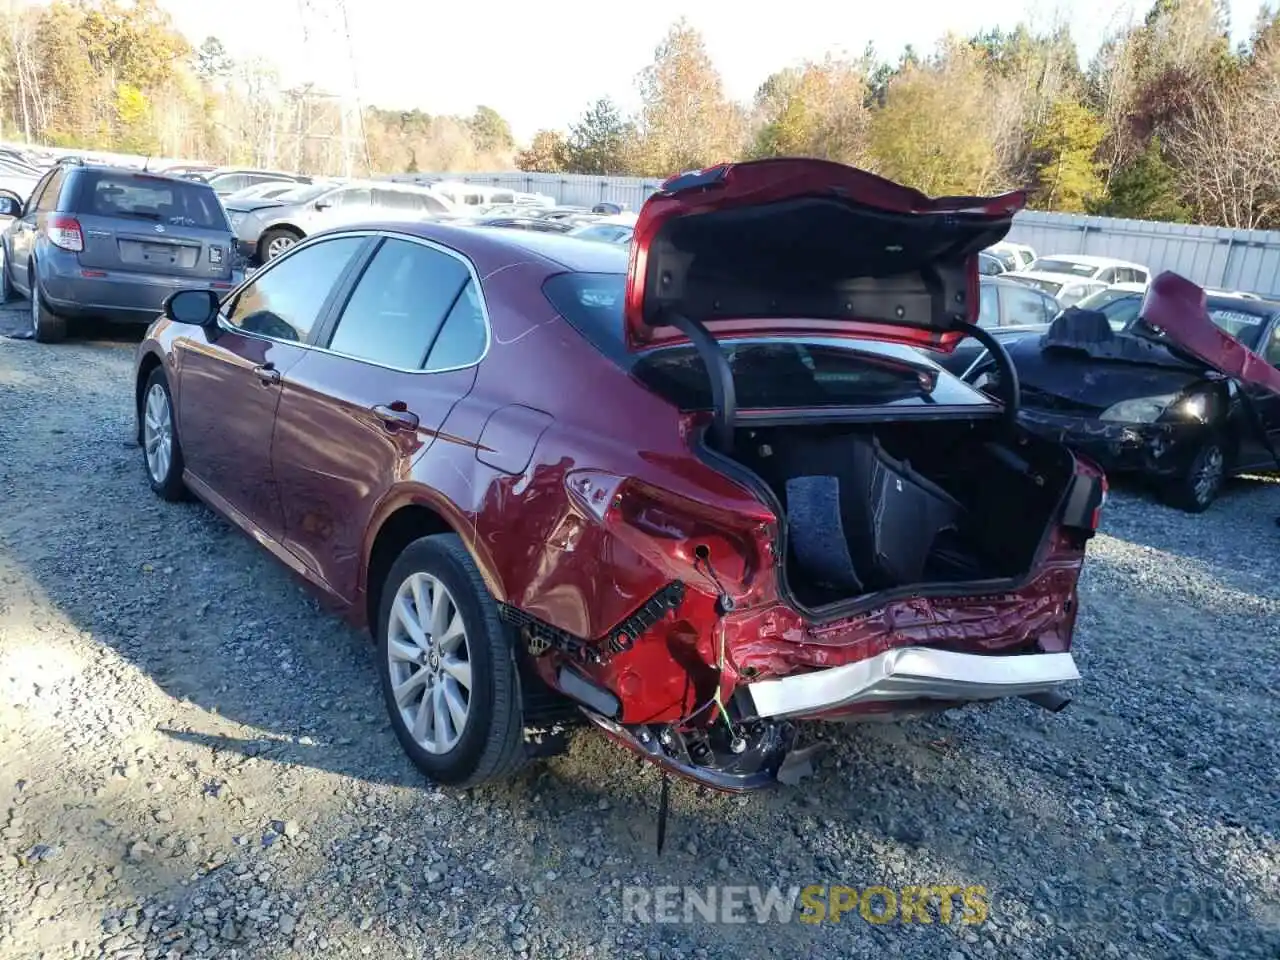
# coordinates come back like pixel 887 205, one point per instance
pixel 225 324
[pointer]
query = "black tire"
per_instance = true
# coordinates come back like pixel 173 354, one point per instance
pixel 1196 489
pixel 491 743
pixel 6 285
pixel 169 486
pixel 46 326
pixel 271 236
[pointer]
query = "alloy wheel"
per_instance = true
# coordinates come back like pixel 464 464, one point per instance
pixel 157 433
pixel 430 663
pixel 279 245
pixel 1209 474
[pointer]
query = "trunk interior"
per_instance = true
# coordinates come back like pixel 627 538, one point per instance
pixel 886 506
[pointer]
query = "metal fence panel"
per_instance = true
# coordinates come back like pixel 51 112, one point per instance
pixel 1210 256
pixel 1218 257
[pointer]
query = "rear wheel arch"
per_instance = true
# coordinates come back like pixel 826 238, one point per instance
pixel 402 525
pixel 277 228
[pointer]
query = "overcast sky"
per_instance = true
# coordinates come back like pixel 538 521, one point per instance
pixel 541 64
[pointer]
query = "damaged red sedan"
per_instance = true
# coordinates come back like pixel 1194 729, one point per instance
pixel 697 494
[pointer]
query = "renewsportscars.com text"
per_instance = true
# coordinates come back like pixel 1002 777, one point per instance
pixel 816 903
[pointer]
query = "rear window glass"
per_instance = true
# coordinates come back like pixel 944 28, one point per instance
pixel 592 304
pixel 1241 324
pixel 778 374
pixel 1245 325
pixel 766 373
pixel 177 203
pixel 1048 286
pixel 1065 266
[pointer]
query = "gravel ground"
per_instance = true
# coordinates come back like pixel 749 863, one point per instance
pixel 194 759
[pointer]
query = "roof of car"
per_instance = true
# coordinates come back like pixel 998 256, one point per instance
pixel 568 253
pixel 1043 275
pixel 1091 261
pixel 1253 304
pixel 1005 280
pixel 116 170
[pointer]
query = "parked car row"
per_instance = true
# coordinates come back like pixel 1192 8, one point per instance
pixel 267 226
pixel 1107 381
pixel 94 240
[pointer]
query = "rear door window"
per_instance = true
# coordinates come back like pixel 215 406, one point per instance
pixel 352 199
pixel 988 306
pixel 48 200
pixel 398 201
pixel 464 336
pixel 1022 306
pixel 284 300
pixel 230 182
pixel 399 305
pixel 180 203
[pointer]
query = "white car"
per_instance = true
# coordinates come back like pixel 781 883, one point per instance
pixel 1070 277
pixel 1068 291
pixel 1014 256
pixel 1103 270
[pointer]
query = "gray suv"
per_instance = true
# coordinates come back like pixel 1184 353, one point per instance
pixel 111 243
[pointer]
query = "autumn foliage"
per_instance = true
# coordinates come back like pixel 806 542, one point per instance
pixel 1167 121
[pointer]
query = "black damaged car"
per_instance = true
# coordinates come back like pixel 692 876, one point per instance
pixel 1138 404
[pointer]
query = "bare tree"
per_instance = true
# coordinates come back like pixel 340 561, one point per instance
pixel 1227 147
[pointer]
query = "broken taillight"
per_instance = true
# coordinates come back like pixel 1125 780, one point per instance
pixel 681 537
pixel 1082 508
pixel 1096 520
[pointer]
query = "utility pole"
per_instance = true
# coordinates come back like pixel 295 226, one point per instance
pixel 327 20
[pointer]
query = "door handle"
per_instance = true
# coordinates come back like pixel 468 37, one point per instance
pixel 395 416
pixel 267 373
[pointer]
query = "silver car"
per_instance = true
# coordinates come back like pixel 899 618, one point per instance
pixel 266 228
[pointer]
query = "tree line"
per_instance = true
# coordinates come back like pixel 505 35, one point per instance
pixel 1167 121
pixel 117 76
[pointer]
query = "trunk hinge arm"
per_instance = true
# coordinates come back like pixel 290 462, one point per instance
pixel 724 396
pixel 1008 372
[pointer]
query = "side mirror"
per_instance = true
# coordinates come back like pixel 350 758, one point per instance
pixel 10 204
pixel 323 204
pixel 196 307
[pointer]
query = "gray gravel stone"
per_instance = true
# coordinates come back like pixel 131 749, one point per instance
pixel 1140 822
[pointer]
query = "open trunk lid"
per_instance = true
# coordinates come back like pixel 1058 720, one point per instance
pixel 792 246
pixel 1180 309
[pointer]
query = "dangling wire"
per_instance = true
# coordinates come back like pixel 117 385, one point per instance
pixel 664 803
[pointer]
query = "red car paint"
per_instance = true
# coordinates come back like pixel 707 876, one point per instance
pixel 1178 307
pixel 747 185
pixel 574 487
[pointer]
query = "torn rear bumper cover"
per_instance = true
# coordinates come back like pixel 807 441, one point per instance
pixel 912 673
